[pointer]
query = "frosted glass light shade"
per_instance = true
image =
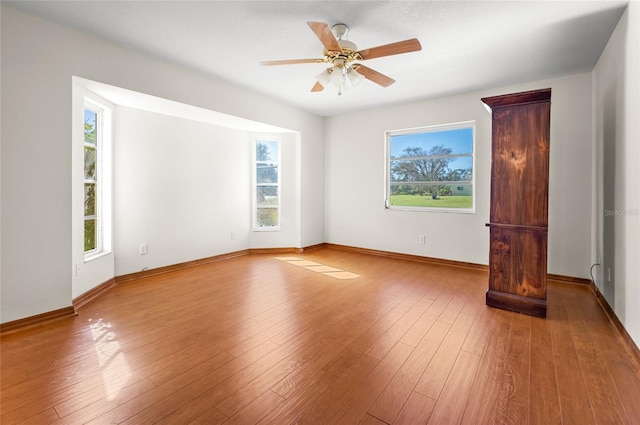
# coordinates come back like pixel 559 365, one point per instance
pixel 343 77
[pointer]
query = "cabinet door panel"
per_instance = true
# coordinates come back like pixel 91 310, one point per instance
pixel 518 262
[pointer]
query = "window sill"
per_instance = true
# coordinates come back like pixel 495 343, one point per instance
pixel 96 256
pixel 266 229
pixel 434 210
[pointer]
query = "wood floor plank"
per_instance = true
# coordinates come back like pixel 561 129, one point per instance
pixel 451 404
pixel 370 420
pixel 452 310
pixel 45 417
pixel 543 397
pixel 321 402
pixel 211 417
pixel 257 409
pixel 13 377
pixel 436 373
pixel 247 393
pixel 172 394
pixel 433 312
pixel 620 368
pixel 257 340
pixel 388 339
pixel 306 375
pixel 356 405
pixel 513 398
pixel 602 391
pixel 389 404
pixel 103 399
pixel 254 379
pixel 477 337
pixel 342 333
pixel 482 402
pixel 94 409
pixel 357 348
pixel 572 390
pixel 416 410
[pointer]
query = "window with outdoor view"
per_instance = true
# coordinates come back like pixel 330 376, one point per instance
pixel 431 168
pixel 91 226
pixel 266 214
pixel 96 141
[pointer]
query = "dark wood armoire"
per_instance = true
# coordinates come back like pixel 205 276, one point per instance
pixel 519 201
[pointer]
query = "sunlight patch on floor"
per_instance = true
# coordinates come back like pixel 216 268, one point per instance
pixel 115 369
pixel 319 268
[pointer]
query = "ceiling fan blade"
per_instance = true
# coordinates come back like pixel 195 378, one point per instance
pixel 290 62
pixel 406 46
pixel 324 33
pixel 373 75
pixel 317 87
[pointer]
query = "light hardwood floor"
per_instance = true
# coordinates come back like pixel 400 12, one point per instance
pixel 259 340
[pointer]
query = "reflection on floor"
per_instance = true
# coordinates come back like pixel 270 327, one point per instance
pixel 320 268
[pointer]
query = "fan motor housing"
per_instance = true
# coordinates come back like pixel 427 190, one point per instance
pixel 340 30
pixel 348 45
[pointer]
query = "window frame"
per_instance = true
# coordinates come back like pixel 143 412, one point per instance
pixel 432 129
pixel 103 135
pixel 255 206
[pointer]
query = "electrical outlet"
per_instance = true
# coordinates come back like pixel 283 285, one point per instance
pixel 609 274
pixel 423 239
pixel 78 269
pixel 144 249
pixel 233 236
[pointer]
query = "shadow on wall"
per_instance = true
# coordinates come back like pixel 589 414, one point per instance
pixel 609 198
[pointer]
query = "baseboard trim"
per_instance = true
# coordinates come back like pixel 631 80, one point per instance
pixel 568 279
pixel 83 299
pixel 179 266
pixel 37 320
pixel 621 333
pixel 314 247
pixel 440 261
pixel 275 250
pixel 410 257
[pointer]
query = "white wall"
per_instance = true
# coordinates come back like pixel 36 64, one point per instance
pixel 39 59
pixel 354 176
pixel 181 187
pixel 616 185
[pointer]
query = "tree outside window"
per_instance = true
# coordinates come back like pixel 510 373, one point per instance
pixel 431 168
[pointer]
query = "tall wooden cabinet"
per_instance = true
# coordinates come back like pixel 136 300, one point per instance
pixel 519 200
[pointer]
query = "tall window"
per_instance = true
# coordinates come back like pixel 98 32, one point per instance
pixel 267 186
pixel 431 168
pixel 96 139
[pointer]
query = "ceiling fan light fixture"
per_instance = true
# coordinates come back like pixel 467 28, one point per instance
pixel 324 77
pixel 338 76
pixel 342 76
pixel 354 77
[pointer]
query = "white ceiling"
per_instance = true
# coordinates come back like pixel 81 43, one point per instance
pixel 466 46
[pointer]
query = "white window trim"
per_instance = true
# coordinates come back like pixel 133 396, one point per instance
pixel 254 182
pixel 428 129
pixel 103 178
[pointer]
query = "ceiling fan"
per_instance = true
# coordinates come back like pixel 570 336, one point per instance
pixel 341 54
